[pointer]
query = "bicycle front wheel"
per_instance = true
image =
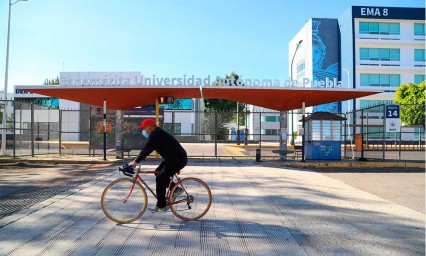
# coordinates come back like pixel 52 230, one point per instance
pixel 194 202
pixel 124 201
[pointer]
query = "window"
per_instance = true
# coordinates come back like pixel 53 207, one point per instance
pixel 270 119
pixel 376 28
pixel 395 80
pixel 301 67
pixel 365 80
pixel 394 55
pixel 374 54
pixel 419 55
pixel 270 131
pixel 419 133
pixel 384 80
pixel 382 54
pixel 376 133
pixel 419 78
pixel 419 29
pixel 374 80
pixel 168 127
pixel 364 54
pixel 363 28
pixel 369 103
pixel 384 28
pixel 393 28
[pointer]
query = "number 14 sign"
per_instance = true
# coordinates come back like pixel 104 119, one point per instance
pixel 393 120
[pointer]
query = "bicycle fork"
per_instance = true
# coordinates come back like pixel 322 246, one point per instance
pixel 130 192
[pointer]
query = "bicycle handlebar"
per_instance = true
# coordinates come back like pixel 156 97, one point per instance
pixel 137 168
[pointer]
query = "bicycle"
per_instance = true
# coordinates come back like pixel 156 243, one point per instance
pixel 125 200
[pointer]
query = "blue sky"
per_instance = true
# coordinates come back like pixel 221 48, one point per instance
pixel 161 38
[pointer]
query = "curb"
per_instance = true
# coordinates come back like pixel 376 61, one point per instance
pixel 273 163
pixel 57 161
pixel 345 164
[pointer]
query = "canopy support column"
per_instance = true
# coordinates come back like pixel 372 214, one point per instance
pixel 303 130
pixel 283 134
pixel 105 129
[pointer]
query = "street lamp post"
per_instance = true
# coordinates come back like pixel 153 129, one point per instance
pixel 303 129
pixel 246 121
pixel 238 123
pixel 291 80
pixel 6 73
pixel 348 73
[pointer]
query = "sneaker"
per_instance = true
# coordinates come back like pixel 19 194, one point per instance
pixel 158 209
pixel 178 192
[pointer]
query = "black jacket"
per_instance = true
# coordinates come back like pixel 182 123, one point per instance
pixel 166 145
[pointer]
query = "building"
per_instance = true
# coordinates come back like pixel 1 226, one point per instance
pixel 384 47
pixel 263 124
pixel 314 61
pixel 365 48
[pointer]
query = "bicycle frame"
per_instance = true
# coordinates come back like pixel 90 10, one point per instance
pixel 142 181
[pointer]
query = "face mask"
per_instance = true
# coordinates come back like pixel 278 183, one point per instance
pixel 145 134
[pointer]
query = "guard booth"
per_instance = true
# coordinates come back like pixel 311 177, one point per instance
pixel 323 136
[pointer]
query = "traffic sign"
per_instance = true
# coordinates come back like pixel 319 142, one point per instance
pixel 393 120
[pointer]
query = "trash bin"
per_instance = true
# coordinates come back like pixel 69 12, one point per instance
pixel 358 142
pixel 258 155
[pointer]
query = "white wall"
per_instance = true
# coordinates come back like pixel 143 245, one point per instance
pixel 303 54
pixel 70 123
pixel 186 119
pixel 346 44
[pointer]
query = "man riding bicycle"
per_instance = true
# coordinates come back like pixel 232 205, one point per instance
pixel 173 154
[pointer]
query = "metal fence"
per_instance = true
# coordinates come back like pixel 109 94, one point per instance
pixel 203 134
pixel 35 130
pixel 366 137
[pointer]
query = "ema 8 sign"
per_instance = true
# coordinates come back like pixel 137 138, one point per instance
pixel 393 120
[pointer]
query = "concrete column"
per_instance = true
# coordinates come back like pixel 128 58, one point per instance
pixel 283 134
pixel 105 130
pixel 118 134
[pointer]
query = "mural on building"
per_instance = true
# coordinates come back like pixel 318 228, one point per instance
pixel 179 104
pixel 325 57
pixel 45 102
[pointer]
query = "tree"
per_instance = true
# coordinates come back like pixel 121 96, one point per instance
pixel 225 108
pixel 54 81
pixel 222 105
pixel 411 97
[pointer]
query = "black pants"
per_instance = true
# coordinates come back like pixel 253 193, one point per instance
pixel 167 170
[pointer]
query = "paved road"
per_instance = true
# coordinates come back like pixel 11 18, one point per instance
pixel 257 210
pixel 404 186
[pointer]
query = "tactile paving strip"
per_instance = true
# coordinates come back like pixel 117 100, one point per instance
pixel 31 195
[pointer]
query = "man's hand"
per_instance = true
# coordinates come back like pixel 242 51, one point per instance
pixel 132 164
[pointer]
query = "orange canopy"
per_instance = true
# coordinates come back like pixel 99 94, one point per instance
pixel 125 97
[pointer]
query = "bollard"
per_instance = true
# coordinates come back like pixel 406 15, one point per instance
pixel 257 155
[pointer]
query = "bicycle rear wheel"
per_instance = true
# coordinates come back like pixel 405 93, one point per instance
pixel 124 201
pixel 194 202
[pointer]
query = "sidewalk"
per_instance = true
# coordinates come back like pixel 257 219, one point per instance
pixel 85 159
pixel 257 210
